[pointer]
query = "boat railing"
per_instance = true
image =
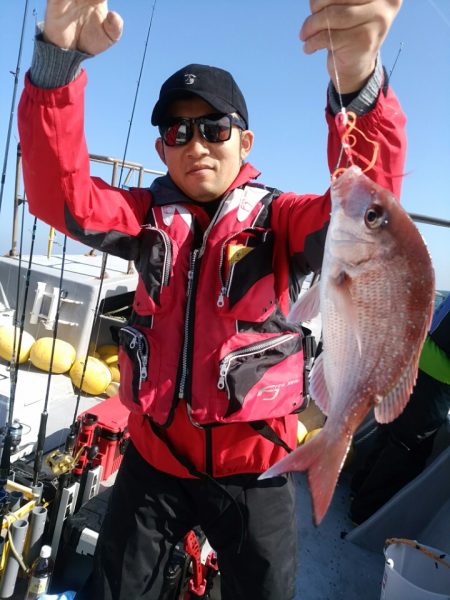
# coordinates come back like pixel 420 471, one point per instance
pixel 121 173
pixel 128 169
pixel 429 220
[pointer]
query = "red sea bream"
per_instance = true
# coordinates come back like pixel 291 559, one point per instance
pixel 376 299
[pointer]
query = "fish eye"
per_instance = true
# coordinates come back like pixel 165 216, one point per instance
pixel 375 217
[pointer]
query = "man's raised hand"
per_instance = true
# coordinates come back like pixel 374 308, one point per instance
pixel 84 25
pixel 354 30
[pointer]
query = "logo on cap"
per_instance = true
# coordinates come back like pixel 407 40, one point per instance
pixel 189 78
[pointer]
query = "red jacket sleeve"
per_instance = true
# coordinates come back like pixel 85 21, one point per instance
pixel 384 125
pixel 56 173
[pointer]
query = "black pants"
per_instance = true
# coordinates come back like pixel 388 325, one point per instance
pixel 149 512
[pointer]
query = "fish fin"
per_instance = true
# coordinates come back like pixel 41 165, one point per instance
pixel 318 385
pixel 307 306
pixel 342 299
pixel 393 404
pixel 323 460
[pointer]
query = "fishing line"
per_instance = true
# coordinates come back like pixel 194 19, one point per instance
pixel 439 12
pixel 13 104
pixel 338 90
pixel 338 82
pixel 346 124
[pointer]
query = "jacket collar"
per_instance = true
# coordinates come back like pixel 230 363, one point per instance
pixel 164 191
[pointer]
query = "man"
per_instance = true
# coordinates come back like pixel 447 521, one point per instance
pixel 400 450
pixel 209 366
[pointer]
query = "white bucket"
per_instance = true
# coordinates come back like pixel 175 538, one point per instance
pixel 410 573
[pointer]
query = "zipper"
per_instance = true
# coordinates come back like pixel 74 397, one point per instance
pixel 211 225
pixel 168 252
pixel 256 348
pixel 138 339
pixel 196 254
pixel 225 289
pixel 225 285
pixel 188 328
pixel 188 319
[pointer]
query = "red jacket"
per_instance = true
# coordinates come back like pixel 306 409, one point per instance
pixel 188 355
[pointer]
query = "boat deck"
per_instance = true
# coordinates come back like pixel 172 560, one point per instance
pixel 330 567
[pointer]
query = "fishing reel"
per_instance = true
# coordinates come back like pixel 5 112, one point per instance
pixel 63 462
pixel 12 432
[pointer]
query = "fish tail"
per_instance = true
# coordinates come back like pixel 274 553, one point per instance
pixel 323 461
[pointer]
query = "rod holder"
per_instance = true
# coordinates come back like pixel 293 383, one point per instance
pixel 34 542
pixel 8 583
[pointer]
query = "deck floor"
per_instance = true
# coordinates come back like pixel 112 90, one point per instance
pixel 330 567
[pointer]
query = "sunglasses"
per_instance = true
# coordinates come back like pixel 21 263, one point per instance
pixel 213 128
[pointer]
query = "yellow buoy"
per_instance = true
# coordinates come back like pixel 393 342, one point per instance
pixel 115 373
pixel 109 353
pixel 7 340
pixel 311 434
pixel 112 359
pixel 108 349
pixel 112 389
pixel 97 376
pixel 63 356
pixel 302 432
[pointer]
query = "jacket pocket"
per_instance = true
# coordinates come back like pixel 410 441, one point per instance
pixel 246 279
pixel 263 379
pixel 155 266
pixel 137 360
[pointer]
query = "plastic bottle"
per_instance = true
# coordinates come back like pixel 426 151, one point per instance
pixel 41 572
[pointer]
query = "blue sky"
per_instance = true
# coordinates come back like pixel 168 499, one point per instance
pixel 257 40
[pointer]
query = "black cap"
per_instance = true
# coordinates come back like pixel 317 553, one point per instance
pixel 214 85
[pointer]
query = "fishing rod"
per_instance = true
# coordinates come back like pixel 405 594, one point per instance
pixel 5 463
pixel 22 225
pixel 11 435
pixel 64 462
pixel 395 61
pixel 105 255
pixel 137 92
pixel 13 104
pixel 44 414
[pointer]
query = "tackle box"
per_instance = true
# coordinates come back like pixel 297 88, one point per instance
pixel 105 426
